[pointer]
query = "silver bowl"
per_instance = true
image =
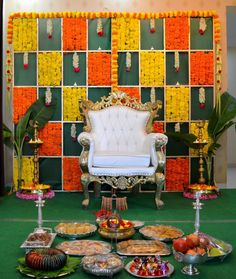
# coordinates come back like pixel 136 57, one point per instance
pixel 190 261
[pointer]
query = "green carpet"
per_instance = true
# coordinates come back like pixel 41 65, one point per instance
pixel 218 218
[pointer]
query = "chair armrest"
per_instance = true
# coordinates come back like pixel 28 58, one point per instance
pixel 86 156
pixel 155 142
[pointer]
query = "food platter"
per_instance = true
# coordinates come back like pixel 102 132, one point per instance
pixel 138 224
pixel 161 232
pixel 170 271
pixel 102 265
pixel 84 247
pixel 142 248
pixel 75 230
pixel 38 240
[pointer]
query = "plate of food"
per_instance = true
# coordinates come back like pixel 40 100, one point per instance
pixel 138 224
pixel 142 248
pixel 75 230
pixel 149 267
pixel 85 247
pixel 161 232
pixel 38 240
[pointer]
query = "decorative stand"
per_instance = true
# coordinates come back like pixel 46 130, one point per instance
pixel 40 203
pixel 211 192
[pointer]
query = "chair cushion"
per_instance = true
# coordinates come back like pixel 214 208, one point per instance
pixel 109 159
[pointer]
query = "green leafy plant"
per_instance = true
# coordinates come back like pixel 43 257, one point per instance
pixel 36 112
pixel 221 118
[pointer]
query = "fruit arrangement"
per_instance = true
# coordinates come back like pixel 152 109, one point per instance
pixel 116 223
pixel 192 244
pixel 149 266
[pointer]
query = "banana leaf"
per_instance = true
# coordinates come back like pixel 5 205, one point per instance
pixel 186 138
pixel 21 128
pixel 222 116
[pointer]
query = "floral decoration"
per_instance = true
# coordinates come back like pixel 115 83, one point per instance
pixel 194 130
pixel 177 65
pixel 177 33
pixel 48 97
pixel 27 170
pixel 74 34
pixel 51 137
pixel 9 73
pixel 73 132
pixel 26 60
pixel 133 92
pixel 177 174
pixel 128 62
pixel 99 68
pixel 177 103
pixel 202 26
pixel 33 197
pixel 153 95
pixel 114 56
pixel 71 96
pixel 177 127
pixel 99 27
pixel 49 68
pixel 128 35
pixel 24 34
pixel 71 174
pixel 23 98
pixel 49 28
pixel 152 25
pixel 76 63
pixel 158 127
pixel 202 98
pixel 218 68
pixel 152 68
pixel 202 68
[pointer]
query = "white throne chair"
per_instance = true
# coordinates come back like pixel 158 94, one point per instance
pixel 119 147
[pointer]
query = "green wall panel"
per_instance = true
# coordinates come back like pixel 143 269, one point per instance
pixel 55 42
pixel 196 112
pixel 151 40
pixel 172 77
pixel 24 76
pixel 70 147
pixel 132 77
pixel 198 41
pixel 95 94
pixel 56 93
pixel 95 41
pixel 70 77
pixel 50 172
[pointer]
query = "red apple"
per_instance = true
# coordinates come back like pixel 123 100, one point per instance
pixel 195 239
pixel 180 245
pixel 190 243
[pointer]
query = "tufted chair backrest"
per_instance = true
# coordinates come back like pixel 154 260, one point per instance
pixel 118 129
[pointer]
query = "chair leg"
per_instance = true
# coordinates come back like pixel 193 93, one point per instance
pixel 97 189
pixel 135 189
pixel 85 180
pixel 160 179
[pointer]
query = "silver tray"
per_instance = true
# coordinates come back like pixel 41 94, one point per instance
pixel 34 276
pixel 137 224
pixel 171 270
pixel 37 244
pixel 165 239
pixel 72 247
pixel 89 264
pixel 76 236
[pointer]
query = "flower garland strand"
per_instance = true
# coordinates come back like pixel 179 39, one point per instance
pixel 128 62
pixel 48 97
pixel 177 66
pixel 153 95
pixel 202 26
pixel 114 56
pixel 49 28
pixel 99 27
pixel 177 127
pixel 26 60
pixel 76 63
pixel 152 26
pixel 73 132
pixel 202 98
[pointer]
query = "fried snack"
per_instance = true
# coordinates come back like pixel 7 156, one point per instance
pixel 161 232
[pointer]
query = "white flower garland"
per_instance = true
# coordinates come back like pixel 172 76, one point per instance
pixel 76 62
pixel 48 97
pixel 99 27
pixel 49 28
pixel 128 61
pixel 26 60
pixel 176 61
pixel 202 97
pixel 152 25
pixel 73 132
pixel 153 95
pixel 202 25
pixel 177 127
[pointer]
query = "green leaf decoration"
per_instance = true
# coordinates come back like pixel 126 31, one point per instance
pixel 70 267
pixel 186 138
pixel 21 128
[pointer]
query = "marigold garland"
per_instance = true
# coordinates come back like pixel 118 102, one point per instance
pixel 23 98
pixel 152 68
pixel 177 174
pixel 51 137
pixel 133 92
pixel 202 68
pixel 177 33
pixel 194 130
pixel 177 104
pixel 71 174
pixel 74 34
pixel 71 98
pixel 114 56
pixel 27 170
pixel 49 68
pixel 24 34
pixel 128 35
pixel 99 68
pixel 158 127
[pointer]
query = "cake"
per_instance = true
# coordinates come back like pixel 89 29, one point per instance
pixel 46 259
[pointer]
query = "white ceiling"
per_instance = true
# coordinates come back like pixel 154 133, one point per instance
pixel 231 26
